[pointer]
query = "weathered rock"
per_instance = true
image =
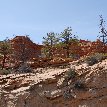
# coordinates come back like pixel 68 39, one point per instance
pixel 47 88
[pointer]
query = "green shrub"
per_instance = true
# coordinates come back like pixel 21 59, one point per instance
pixel 70 74
pixel 5 72
pixel 79 85
pixel 93 59
pixel 67 94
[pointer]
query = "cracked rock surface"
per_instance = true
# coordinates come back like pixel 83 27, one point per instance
pixel 47 87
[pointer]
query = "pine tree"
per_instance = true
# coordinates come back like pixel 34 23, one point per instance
pixel 49 42
pixel 67 38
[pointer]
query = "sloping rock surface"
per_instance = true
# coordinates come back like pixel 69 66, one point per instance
pixel 46 88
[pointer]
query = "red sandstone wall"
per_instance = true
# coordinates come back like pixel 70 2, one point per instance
pixel 19 41
pixel 84 47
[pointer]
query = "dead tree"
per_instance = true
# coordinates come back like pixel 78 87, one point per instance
pixel 103 33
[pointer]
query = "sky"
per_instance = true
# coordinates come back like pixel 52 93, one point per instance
pixel 36 18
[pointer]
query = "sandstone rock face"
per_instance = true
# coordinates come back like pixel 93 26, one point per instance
pixel 48 89
pixel 17 45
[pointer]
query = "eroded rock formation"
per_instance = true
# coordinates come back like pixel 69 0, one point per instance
pixel 46 87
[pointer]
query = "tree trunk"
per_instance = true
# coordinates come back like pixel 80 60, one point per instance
pixel 67 51
pixel 4 58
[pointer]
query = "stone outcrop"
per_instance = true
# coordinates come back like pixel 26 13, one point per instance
pixel 23 45
pixel 47 88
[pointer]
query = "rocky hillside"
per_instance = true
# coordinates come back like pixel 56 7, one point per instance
pixel 79 85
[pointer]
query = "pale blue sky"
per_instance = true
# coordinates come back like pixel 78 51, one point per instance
pixel 38 17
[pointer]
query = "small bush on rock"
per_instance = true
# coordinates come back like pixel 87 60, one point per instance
pixel 24 69
pixel 93 59
pixel 79 85
pixel 70 74
pixel 67 94
pixel 5 72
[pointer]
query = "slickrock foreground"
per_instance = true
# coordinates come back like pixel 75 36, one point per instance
pixel 47 88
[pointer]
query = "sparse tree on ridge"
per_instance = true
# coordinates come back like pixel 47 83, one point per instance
pixel 67 38
pixel 49 42
pixel 103 32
